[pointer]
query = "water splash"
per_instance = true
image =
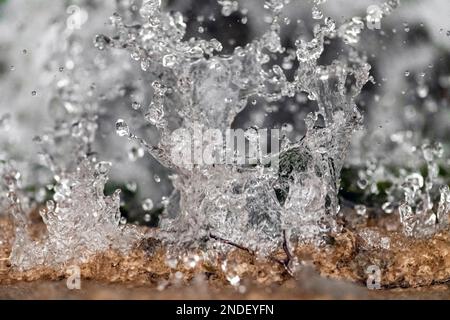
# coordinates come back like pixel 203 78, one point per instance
pixel 244 205
pixel 193 86
pixel 80 222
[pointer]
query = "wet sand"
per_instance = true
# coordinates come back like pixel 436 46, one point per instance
pixel 410 269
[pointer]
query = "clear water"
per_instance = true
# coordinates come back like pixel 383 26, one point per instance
pixel 192 85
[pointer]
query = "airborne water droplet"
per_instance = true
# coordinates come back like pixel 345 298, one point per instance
pixel 103 167
pixel 100 41
pixel 122 128
pixel 147 204
pixel 136 153
pixel 422 91
pixel 317 13
pixel 136 105
pixel 387 207
pixel 360 210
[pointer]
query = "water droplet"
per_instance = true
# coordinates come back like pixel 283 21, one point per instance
pixel 406 27
pixel 360 210
pixel 103 167
pixel 77 129
pixel 135 105
pixel 131 186
pixel 387 207
pixel 157 178
pixel 317 13
pixel 5 122
pixel 228 7
pixel 149 8
pixel 136 153
pixel 422 91
pixel 147 204
pixel 136 54
pixel 100 41
pixel 407 73
pixel 362 183
pixel 147 217
pixel 169 60
pixel 122 128
pixel 115 19
pixel 234 280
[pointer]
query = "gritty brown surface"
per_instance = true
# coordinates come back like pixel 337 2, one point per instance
pixel 411 268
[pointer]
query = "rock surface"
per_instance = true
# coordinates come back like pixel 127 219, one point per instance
pixel 409 268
